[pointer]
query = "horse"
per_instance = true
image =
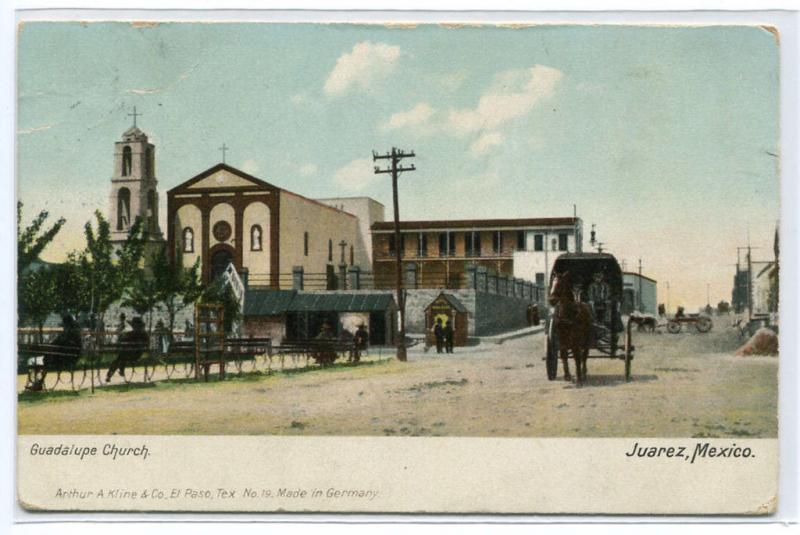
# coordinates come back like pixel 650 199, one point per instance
pixel 572 325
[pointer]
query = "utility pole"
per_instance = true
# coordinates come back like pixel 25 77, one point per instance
pixel 396 156
pixel 640 303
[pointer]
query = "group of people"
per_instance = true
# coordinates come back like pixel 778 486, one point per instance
pixel 358 341
pixel 443 334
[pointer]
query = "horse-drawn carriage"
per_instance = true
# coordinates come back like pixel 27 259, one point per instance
pixel 585 320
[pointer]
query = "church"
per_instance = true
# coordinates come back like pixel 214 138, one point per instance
pixel 224 215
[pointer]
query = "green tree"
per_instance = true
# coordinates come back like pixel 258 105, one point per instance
pixel 175 286
pixel 31 241
pixel 219 292
pixel 142 297
pixel 106 272
pixel 37 294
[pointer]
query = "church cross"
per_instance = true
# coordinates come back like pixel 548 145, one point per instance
pixel 223 148
pixel 342 244
pixel 134 115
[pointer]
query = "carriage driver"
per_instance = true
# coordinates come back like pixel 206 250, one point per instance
pixel 599 295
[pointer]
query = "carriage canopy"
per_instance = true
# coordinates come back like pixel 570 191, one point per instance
pixel 583 266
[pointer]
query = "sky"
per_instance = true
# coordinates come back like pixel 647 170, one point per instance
pixel 666 138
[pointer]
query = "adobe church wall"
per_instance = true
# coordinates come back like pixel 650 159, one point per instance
pixel 323 224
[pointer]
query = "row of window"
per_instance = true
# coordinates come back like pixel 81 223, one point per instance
pixel 472 243
pixel 256 238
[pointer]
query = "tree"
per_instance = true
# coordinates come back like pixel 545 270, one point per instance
pixel 175 286
pixel 222 293
pixel 142 297
pixel 107 273
pixel 30 243
pixel 37 294
pixel 36 288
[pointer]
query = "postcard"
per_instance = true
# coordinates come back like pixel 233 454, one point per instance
pixel 398 268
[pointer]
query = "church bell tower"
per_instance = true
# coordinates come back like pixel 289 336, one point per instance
pixel 134 188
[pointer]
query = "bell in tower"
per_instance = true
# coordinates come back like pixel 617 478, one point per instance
pixel 134 188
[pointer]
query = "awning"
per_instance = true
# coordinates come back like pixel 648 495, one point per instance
pixel 277 302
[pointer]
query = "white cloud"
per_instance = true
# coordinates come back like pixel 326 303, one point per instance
pixel 308 169
pixel 365 64
pixel 416 116
pixel 356 175
pixel 486 141
pixel 250 167
pixel 512 94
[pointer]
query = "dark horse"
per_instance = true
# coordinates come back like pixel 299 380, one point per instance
pixel 572 325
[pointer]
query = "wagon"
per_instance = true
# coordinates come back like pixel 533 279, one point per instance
pixel 610 338
pixel 703 324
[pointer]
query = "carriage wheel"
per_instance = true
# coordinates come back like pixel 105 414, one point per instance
pixel 704 325
pixel 75 383
pixel 169 369
pixel 51 380
pixel 130 373
pixel 628 352
pixel 551 358
pixel 673 327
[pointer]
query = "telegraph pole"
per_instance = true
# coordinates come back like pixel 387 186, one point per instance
pixel 396 156
pixel 640 303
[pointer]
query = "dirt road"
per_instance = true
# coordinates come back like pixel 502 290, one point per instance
pixel 686 385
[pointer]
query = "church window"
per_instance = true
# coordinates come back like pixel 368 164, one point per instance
pixel 330 250
pixel 255 238
pixel 123 209
pixel 305 243
pixel 149 162
pixel 352 256
pixel 188 240
pixel 127 161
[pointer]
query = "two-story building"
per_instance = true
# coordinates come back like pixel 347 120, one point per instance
pixel 439 252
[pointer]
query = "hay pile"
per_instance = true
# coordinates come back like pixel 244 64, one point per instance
pixel 763 342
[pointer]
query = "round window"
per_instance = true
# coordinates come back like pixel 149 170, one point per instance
pixel 222 230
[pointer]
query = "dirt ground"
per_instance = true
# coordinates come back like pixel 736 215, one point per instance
pixel 685 385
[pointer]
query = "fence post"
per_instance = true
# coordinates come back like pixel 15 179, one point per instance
pixel 297 278
pixel 354 277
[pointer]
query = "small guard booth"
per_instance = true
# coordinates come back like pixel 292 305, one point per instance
pixel 450 310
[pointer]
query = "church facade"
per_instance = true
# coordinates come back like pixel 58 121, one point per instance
pixel 225 215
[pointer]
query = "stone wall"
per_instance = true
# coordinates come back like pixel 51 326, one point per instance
pixel 498 314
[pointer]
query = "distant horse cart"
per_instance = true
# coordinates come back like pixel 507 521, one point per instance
pixel 703 324
pixel 585 320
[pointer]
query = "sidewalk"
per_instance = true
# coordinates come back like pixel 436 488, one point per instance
pixel 500 338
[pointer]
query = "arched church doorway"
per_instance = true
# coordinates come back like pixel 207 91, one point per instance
pixel 220 261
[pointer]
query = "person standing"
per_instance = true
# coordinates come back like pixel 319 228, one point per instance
pixel 448 336
pixel 438 334
pixel 361 341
